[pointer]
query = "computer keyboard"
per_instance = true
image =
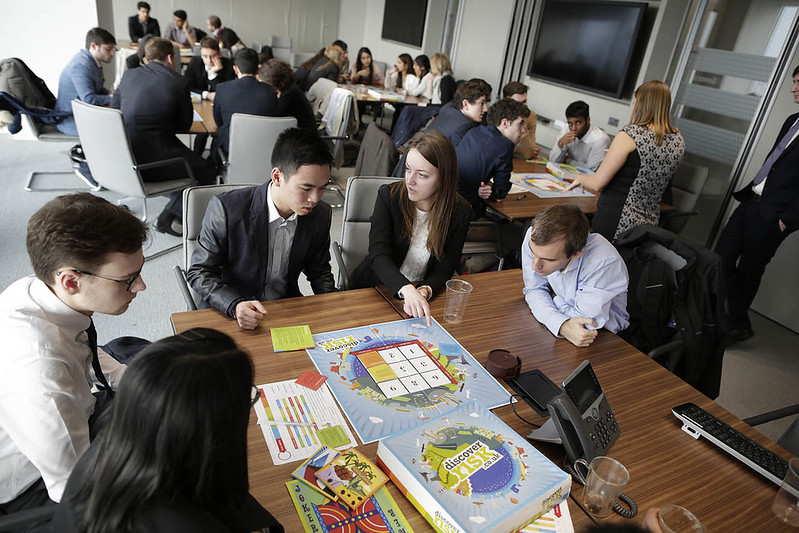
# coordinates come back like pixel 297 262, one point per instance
pixel 698 422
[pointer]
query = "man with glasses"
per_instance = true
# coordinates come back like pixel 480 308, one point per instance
pixel 87 257
pixel 82 78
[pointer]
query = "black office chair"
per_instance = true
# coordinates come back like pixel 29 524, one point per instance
pixel 790 437
pixel 27 517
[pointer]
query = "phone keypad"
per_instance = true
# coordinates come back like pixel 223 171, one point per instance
pixel 605 431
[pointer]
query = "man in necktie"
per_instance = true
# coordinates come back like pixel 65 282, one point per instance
pixel 768 213
pixel 87 258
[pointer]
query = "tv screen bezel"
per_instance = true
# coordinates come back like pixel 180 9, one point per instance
pixel 641 6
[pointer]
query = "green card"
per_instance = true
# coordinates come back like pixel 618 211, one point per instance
pixel 291 338
pixel 332 437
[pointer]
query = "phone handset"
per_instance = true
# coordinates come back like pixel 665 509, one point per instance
pixel 573 431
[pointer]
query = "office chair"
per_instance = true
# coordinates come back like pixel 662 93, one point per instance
pixel 319 95
pixel 105 143
pixel 359 203
pixel 195 203
pixel 281 48
pixel 340 119
pixel 252 139
pixel 377 156
pixel 686 186
pixel 790 437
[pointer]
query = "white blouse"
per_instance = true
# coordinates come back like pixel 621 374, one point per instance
pixel 414 266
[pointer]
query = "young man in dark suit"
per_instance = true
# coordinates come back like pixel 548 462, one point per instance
pixel 142 23
pixel 243 95
pixel 768 213
pixel 464 112
pixel 255 241
pixel 155 103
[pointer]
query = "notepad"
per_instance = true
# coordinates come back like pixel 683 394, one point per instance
pixel 291 338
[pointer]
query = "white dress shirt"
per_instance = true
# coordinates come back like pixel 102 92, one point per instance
pixel 586 152
pixel 45 388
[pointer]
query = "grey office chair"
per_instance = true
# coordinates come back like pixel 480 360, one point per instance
pixel 252 139
pixel 195 202
pixel 107 149
pixel 301 57
pixel 319 95
pixel 281 48
pixel 790 438
pixel 686 186
pixel 359 203
pixel 484 239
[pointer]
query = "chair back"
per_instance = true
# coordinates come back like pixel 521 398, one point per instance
pixel 359 202
pixel 686 186
pixel 281 41
pixel 252 138
pixel 320 93
pixel 257 45
pixel 301 57
pixel 105 143
pixel 336 120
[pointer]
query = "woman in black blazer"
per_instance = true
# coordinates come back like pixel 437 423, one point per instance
pixel 418 227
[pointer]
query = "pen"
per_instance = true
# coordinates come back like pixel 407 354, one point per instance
pixel 521 197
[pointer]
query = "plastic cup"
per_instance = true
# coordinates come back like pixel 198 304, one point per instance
pixel 676 519
pixel 606 478
pixel 786 503
pixel 457 295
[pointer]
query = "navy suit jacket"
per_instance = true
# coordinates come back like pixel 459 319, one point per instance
pixel 780 199
pixel 484 154
pixel 293 103
pixel 452 123
pixel 244 95
pixel 198 77
pixel 232 254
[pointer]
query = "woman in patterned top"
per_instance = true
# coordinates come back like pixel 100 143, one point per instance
pixel 638 166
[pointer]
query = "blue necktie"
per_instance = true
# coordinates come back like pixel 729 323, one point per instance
pixel 776 153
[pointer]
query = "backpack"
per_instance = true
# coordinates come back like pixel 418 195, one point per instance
pixel 18 80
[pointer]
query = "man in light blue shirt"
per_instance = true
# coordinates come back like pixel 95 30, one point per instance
pixel 574 282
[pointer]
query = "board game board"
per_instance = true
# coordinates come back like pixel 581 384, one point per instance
pixel 392 376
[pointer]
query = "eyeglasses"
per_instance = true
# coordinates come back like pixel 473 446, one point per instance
pixel 127 282
pixel 255 395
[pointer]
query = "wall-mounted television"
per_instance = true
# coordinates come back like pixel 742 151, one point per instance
pixel 587 44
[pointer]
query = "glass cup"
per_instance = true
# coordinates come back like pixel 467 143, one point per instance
pixel 606 478
pixel 786 503
pixel 676 519
pixel 457 295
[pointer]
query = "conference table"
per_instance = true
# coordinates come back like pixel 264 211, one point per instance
pixel 666 465
pixel 205 108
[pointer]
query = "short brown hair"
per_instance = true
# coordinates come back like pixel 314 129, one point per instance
pixel 514 87
pixel 79 230
pixel 561 222
pixel 276 73
pixel 99 36
pixel 209 42
pixel 158 49
pixel 471 91
pixel 506 108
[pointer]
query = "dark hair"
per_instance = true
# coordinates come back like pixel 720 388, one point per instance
pixel 215 21
pixel 506 108
pixel 181 14
pixel 276 73
pixel 439 152
pixel 99 36
pixel 297 147
pixel 795 71
pixel 561 222
pixel 309 63
pixel 359 65
pixel 210 43
pixel 471 91
pixel 423 61
pixel 73 230
pixel 265 54
pixel 246 60
pixel 514 87
pixel 341 44
pixel 228 38
pixel 142 44
pixel 578 109
pixel 144 5
pixel 158 49
pixel 408 60
pixel 177 431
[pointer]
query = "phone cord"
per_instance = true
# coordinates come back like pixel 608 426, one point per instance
pixel 632 508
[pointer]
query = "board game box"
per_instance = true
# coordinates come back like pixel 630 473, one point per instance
pixel 467 471
pixel 393 376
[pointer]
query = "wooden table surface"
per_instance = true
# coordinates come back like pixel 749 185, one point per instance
pixel 666 465
pixel 206 110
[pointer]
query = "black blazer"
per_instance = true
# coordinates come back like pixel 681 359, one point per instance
pixel 244 95
pixel 198 78
pixel 230 261
pixel 133 61
pixel 780 199
pixel 452 123
pixel 137 30
pixel 293 103
pixel 387 248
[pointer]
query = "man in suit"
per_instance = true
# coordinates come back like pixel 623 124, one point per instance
pixel 82 78
pixel 155 103
pixel 255 241
pixel 142 24
pixel 768 213
pixel 243 95
pixel 464 112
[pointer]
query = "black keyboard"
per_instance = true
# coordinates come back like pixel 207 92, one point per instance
pixel 698 422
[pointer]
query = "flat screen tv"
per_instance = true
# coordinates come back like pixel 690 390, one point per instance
pixel 586 44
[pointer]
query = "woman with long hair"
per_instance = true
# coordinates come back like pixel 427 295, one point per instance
pixel 443 84
pixel 328 66
pixel 418 227
pixel 173 453
pixel 365 71
pixel 638 166
pixel 395 78
pixel 421 82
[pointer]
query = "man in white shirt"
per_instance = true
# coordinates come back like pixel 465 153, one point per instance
pixel 580 143
pixel 87 257
pixel 574 282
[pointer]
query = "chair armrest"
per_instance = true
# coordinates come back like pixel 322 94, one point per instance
pixel 222 157
pixel 664 349
pixel 772 415
pixel 166 163
pixel 335 248
pixel 183 285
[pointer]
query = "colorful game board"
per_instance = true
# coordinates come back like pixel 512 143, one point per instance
pixel 392 376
